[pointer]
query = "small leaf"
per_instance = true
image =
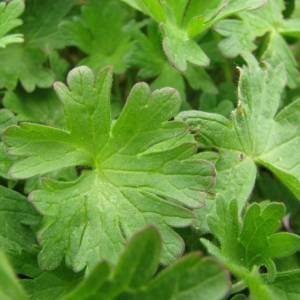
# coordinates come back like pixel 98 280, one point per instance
pixel 252 243
pixel 8 20
pixel 42 20
pixel 137 264
pixel 102 38
pixel 7 118
pixel 180 22
pixel 180 51
pixel 241 34
pixel 153 8
pixel 286 285
pixel 24 64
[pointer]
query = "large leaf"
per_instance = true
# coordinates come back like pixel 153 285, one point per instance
pixel 127 187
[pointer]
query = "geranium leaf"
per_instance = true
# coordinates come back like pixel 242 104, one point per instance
pixel 241 33
pixel 251 242
pixel 180 22
pixel 8 20
pixel 42 20
pixel 24 64
pixel 102 38
pixel 256 135
pixel 125 180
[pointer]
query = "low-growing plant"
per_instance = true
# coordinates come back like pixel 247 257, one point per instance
pixel 189 188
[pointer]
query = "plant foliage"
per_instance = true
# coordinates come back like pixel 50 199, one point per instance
pixel 184 186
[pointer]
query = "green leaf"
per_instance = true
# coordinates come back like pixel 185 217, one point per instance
pixel 252 243
pixel 235 178
pixel 241 33
pixel 256 133
pixel 7 118
pixel 286 285
pixel 41 284
pixel 91 285
pixel 6 161
pixel 36 182
pixel 125 180
pixel 189 278
pixel 41 106
pixel 8 20
pixel 180 50
pixel 24 64
pixel 181 22
pixel 17 217
pixel 10 287
pixel 42 20
pixel 98 33
pixel 135 267
pixel 269 188
pixel 209 103
pixel 235 6
pixel 153 8
pixel 147 55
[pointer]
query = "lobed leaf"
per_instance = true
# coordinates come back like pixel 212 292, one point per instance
pixel 147 55
pixel 255 135
pixel 42 23
pixel 128 177
pixel 24 64
pixel 241 33
pixel 98 33
pixel 181 22
pixel 252 241
pixel 8 20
